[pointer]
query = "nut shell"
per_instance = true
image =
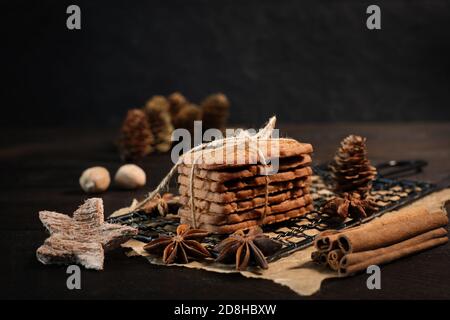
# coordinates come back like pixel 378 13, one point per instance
pixel 95 179
pixel 130 176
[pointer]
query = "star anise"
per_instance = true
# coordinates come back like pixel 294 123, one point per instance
pixel 162 205
pixel 182 247
pixel 350 205
pixel 246 247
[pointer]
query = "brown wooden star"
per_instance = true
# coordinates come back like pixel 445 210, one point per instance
pixel 82 239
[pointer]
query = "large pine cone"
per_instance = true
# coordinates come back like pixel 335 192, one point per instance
pixel 157 111
pixel 135 136
pixel 351 168
pixel 215 110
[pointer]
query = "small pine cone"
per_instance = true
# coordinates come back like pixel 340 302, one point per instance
pixel 215 111
pixel 157 111
pixel 186 116
pixel 176 102
pixel 351 169
pixel 136 137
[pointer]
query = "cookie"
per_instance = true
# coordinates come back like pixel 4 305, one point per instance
pixel 230 228
pixel 238 206
pixel 216 186
pixel 243 194
pixel 244 204
pixel 251 214
pixel 245 154
pixel 244 172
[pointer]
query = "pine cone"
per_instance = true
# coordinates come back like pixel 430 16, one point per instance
pixel 351 168
pixel 176 101
pixel 163 205
pixel 135 136
pixel 349 205
pixel 186 116
pixel 215 111
pixel 157 111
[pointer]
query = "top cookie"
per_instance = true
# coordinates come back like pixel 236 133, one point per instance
pixel 246 153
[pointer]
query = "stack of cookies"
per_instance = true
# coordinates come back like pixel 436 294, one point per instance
pixel 238 195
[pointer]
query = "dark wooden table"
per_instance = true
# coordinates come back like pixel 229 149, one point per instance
pixel 40 170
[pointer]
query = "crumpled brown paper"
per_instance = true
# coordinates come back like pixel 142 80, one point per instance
pixel 297 271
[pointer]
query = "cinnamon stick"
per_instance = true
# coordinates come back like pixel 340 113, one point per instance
pixel 319 257
pixel 333 258
pixel 390 229
pixel 355 262
pixel 327 240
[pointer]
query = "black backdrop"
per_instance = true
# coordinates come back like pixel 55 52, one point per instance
pixel 302 60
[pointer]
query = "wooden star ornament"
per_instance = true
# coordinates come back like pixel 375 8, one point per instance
pixel 82 239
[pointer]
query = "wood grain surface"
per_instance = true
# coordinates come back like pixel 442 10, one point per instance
pixel 40 170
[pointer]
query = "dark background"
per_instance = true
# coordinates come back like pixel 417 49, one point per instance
pixel 302 60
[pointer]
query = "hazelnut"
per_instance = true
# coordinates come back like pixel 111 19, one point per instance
pixel 130 176
pixel 95 179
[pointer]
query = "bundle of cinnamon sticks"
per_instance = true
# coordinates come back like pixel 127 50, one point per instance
pixel 381 241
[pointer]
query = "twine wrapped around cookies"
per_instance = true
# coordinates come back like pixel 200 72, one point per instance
pixel 242 138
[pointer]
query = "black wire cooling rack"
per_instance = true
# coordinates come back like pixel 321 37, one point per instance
pixel 389 194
